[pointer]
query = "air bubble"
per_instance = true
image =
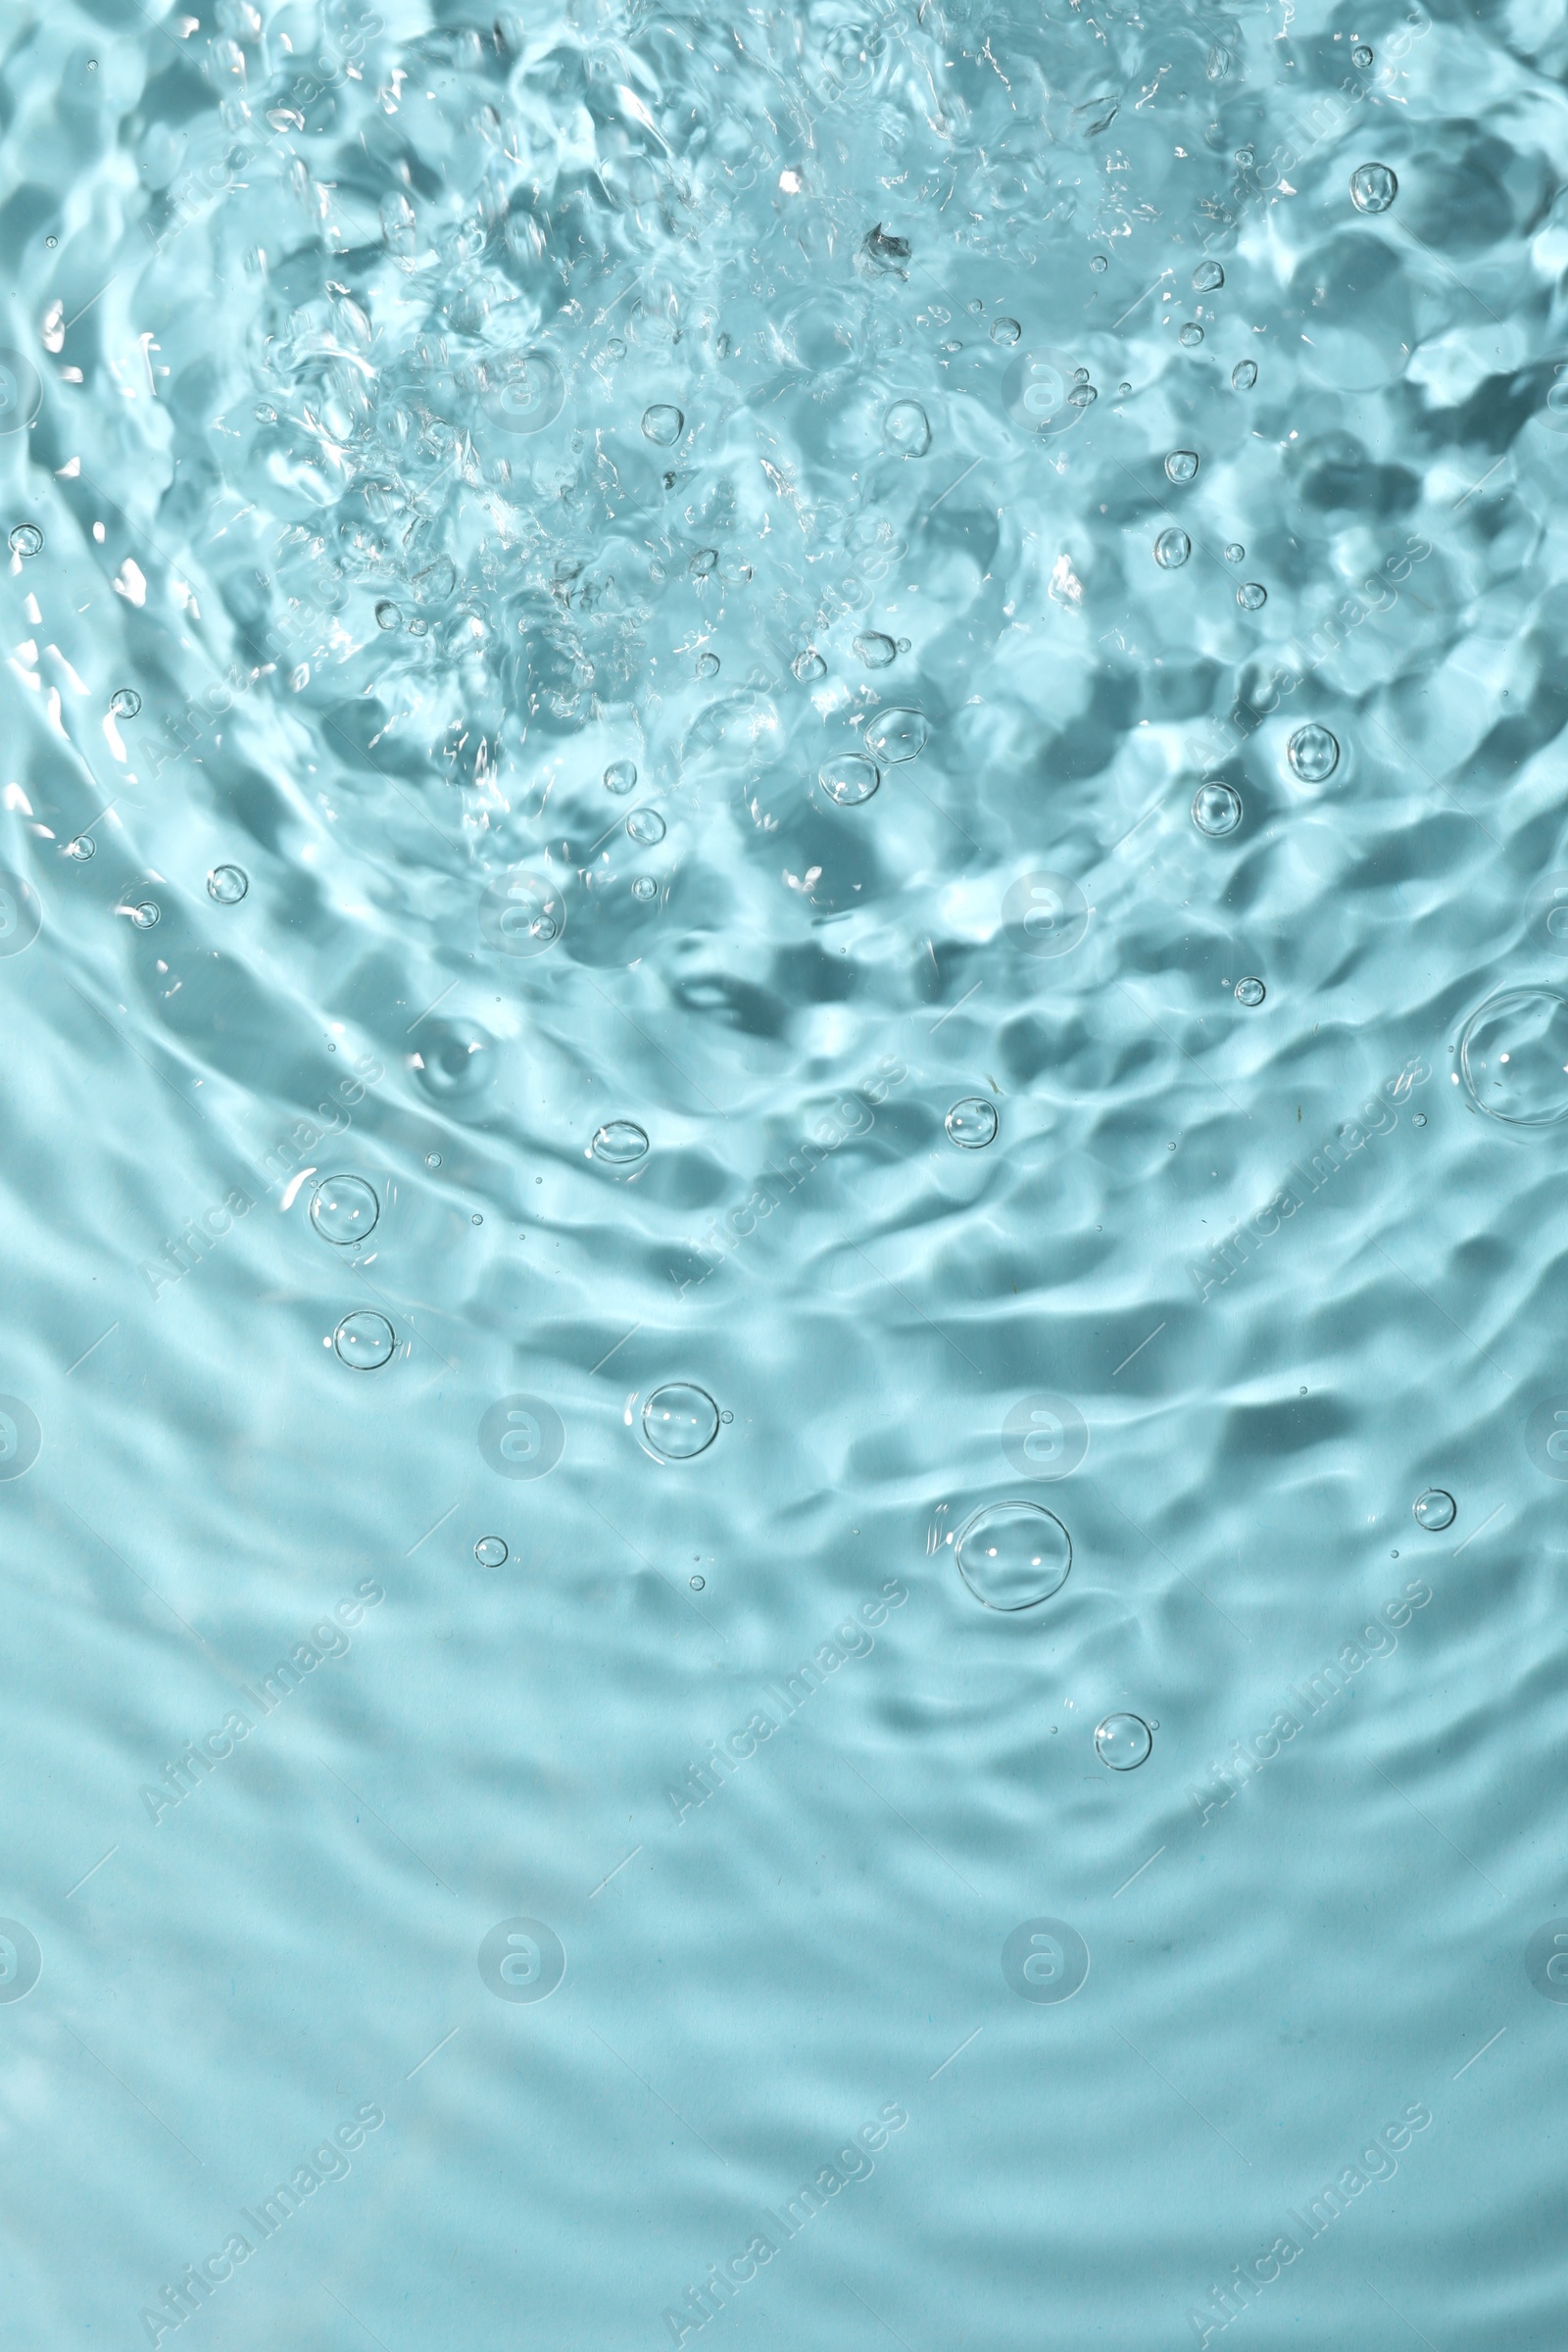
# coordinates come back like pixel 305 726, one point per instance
pixel 1100 264
pixel 644 887
pixel 1208 277
pixel 26 540
pixel 125 702
pixel 344 1209
pixel 1512 1054
pixel 227 885
pixel 1005 330
pixel 1172 549
pixel 619 1143
pixel 82 848
pixel 705 665
pixel 808 666
pixel 620 777
pixel 1191 334
pixel 875 649
pixel 1252 596
pixel 388 615
pixel 145 916
pixel 663 424
pixel 646 825
pixel 1123 1742
pixel 1434 1511
pixel 1373 187
pixel 1361 56
pixel 491 1551
pixel 1235 553
pixel 1313 753
pixel 973 1123
pixel 1249 991
pixel 1216 809
pixel 894 736
pixel 1013 1555
pixel 1182 466
pixel 906 430
pixel 850 779
pixel 680 1422
pixel 1243 375
pixel 365 1341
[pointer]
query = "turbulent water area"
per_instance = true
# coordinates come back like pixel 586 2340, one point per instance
pixel 784 942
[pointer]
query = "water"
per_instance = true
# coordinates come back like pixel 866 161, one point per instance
pixel 573 1743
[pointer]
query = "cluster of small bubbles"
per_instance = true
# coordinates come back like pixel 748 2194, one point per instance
pixel 1172 549
pixel 808 665
pixel 1252 596
pixel 125 702
pixel 906 430
pixel 82 848
pixel 619 1143
pixel 644 887
pixel 705 665
pixel 1013 1555
pixel 1361 56
pixel 1313 753
pixel 364 1341
pixel 1208 277
pixel 1216 809
pixel 1243 375
pixel 388 615
pixel 646 825
pixel 1373 187
pixel 1235 553
pixel 874 649
pixel 1123 1742
pixel 1100 264
pixel 491 1551
pixel 344 1209
pixel 145 916
pixel 850 779
pixel 1182 466
pixel 973 1123
pixel 1005 330
pixel 26 540
pixel 1251 991
pixel 680 1422
pixel 663 424
pixel 1191 334
pixel 894 736
pixel 226 885
pixel 1434 1511
pixel 620 777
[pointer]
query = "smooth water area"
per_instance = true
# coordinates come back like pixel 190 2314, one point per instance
pixel 784 946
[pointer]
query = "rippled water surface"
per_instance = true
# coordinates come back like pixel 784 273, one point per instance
pixel 784 948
